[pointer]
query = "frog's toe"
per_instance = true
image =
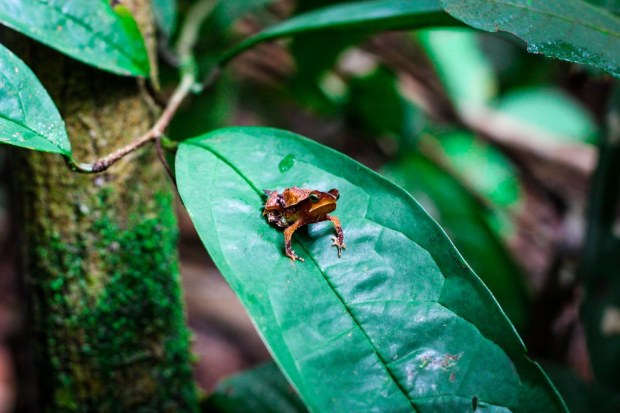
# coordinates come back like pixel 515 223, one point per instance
pixel 336 242
pixel 294 256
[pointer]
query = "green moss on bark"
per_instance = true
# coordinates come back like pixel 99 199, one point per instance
pixel 118 337
pixel 100 257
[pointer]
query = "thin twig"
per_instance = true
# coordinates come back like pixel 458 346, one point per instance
pixel 181 92
pixel 187 39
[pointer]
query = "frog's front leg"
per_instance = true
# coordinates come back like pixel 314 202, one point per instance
pixel 338 240
pixel 288 234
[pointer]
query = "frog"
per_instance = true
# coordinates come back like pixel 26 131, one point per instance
pixel 296 207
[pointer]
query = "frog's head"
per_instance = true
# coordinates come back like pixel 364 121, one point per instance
pixel 322 203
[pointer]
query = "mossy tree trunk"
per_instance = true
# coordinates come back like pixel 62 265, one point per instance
pixel 100 258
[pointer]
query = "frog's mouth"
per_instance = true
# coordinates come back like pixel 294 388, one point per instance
pixel 324 207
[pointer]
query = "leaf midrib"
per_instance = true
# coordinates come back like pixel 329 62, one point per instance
pixel 360 327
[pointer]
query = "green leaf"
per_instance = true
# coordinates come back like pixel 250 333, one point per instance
pixel 374 103
pixel 165 12
pixel 89 31
pixel 263 389
pixel 399 323
pixel 465 221
pixel 485 168
pixel 466 73
pixel 569 30
pixel 364 16
pixel 28 117
pixel 205 111
pixel 227 12
pixel 550 109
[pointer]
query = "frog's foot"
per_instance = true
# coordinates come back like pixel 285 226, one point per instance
pixel 288 235
pixel 291 254
pixel 338 242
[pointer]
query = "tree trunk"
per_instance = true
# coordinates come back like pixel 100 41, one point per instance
pixel 99 253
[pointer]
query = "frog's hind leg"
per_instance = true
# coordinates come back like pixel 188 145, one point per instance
pixel 338 239
pixel 288 234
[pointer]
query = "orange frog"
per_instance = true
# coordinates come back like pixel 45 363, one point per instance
pixel 296 207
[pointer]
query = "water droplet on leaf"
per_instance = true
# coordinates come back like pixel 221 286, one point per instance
pixel 286 163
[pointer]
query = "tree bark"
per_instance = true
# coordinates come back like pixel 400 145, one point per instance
pixel 99 252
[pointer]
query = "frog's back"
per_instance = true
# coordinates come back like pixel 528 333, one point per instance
pixel 294 195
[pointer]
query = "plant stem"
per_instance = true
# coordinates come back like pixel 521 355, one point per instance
pixel 187 39
pixel 181 92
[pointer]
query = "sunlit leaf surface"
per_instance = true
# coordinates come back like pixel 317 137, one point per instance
pixel 28 117
pixel 89 31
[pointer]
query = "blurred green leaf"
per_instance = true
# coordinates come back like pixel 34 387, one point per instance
pixel 165 12
pixel 227 12
pixel 464 70
pixel 569 30
pixel 375 103
pixel 552 110
pixel 514 67
pixel 600 266
pixel 465 221
pixel 205 111
pixel 89 31
pixel 399 323
pixel 312 67
pixel 215 34
pixel 483 167
pixel 263 390
pixel 28 117
pixel 363 16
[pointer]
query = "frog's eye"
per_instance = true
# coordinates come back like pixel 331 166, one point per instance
pixel 313 197
pixel 335 193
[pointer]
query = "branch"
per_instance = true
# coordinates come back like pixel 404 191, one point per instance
pixel 187 39
pixel 181 92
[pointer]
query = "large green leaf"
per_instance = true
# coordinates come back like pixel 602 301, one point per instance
pixel 89 31
pixel 262 389
pixel 365 16
pixel 570 30
pixel 400 323
pixel 28 117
